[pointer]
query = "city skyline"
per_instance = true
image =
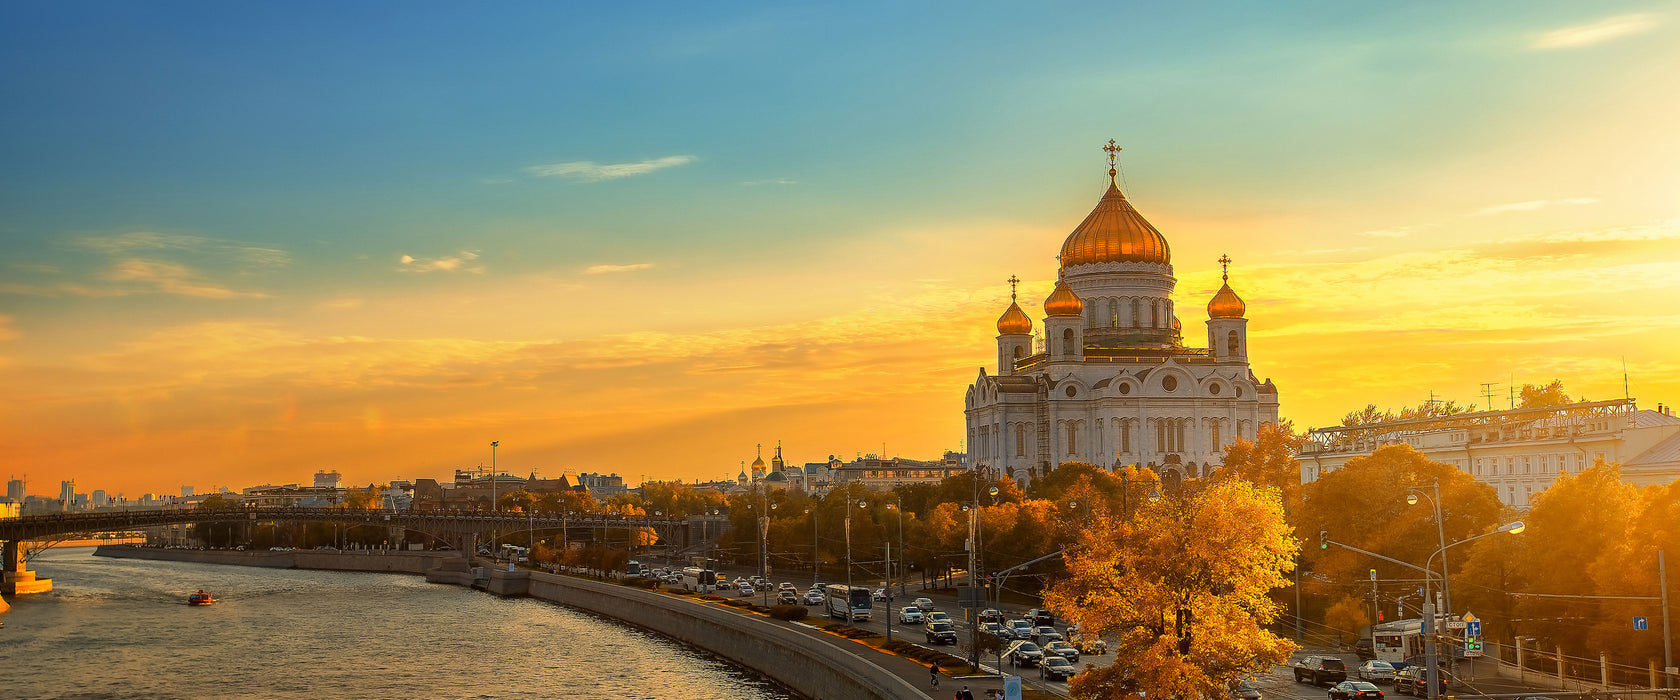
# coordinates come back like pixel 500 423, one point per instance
pixel 250 243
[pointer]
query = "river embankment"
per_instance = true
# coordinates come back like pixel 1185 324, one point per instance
pixel 804 660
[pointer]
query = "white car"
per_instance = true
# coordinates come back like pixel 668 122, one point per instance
pixel 741 582
pixel 814 597
pixel 747 590
pixel 1376 671
pixel 785 586
pixel 910 615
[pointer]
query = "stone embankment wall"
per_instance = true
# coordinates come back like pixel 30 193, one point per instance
pixel 394 562
pixel 809 663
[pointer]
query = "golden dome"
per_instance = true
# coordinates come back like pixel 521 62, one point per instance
pixel 1014 321
pixel 1063 302
pixel 1226 304
pixel 1177 325
pixel 1114 232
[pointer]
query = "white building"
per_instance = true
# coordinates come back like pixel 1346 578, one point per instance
pixel 1521 451
pixel 1113 382
pixel 884 474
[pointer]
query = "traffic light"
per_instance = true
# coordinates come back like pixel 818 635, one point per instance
pixel 1379 616
pixel 1323 539
pixel 1472 646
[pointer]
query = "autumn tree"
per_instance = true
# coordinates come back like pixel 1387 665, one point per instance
pixel 1269 460
pixel 1577 529
pixel 1184 585
pixel 1542 395
pixel 1347 616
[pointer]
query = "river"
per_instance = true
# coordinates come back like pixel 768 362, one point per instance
pixel 121 628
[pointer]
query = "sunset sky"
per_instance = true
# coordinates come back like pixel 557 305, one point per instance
pixel 242 242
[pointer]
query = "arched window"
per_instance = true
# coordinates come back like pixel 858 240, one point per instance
pixel 1073 430
pixel 1232 344
pixel 1067 342
pixel 1215 432
pixel 1020 440
pixel 1113 313
pixel 1126 436
pixel 1135 316
pixel 1017 352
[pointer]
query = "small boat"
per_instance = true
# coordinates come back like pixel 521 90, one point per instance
pixel 201 598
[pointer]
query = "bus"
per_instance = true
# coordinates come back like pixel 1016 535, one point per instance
pixel 635 568
pixel 844 601
pixel 699 580
pixel 1397 641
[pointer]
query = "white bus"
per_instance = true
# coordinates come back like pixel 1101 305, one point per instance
pixel 843 601
pixel 699 580
pixel 1397 641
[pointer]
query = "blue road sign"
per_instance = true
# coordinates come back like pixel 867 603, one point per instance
pixel 1473 628
pixel 1639 623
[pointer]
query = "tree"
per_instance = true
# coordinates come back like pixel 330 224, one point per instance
pixel 1541 396
pixel 1578 529
pixel 1347 616
pixel 1270 460
pixel 1184 584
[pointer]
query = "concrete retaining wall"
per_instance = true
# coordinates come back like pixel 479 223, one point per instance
pixel 394 562
pixel 812 664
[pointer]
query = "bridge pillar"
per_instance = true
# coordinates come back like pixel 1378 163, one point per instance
pixel 18 579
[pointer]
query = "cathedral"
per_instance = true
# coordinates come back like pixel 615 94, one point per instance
pixel 1112 382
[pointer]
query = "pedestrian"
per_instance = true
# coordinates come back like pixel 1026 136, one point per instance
pixel 965 695
pixel 933 671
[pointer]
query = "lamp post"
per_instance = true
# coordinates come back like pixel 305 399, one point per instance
pixel 1430 622
pixel 903 569
pixel 861 504
pixel 816 557
pixel 493 445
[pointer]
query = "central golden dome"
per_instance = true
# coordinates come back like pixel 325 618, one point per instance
pixel 1115 232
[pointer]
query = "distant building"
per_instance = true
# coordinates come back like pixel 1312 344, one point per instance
pixel 602 486
pixel 15 490
pixel 1519 452
pixel 67 492
pixel 883 474
pixel 186 492
pixel 10 508
pixel 100 500
pixel 328 480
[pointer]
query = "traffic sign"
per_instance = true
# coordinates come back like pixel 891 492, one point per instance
pixel 1473 628
pixel 1455 624
pixel 1373 574
pixel 1639 623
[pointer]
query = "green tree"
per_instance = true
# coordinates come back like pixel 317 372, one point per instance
pixel 1185 586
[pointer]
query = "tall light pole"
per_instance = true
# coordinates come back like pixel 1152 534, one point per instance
pixel 903 568
pixel 493 445
pixel 861 504
pixel 816 557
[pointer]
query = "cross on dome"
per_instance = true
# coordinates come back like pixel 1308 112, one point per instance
pixel 1013 280
pixel 1113 152
pixel 1225 267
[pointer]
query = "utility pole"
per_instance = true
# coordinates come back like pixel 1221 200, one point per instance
pixel 888 546
pixel 1430 672
pixel 1668 643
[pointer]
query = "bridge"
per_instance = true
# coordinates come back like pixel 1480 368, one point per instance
pixel 462 528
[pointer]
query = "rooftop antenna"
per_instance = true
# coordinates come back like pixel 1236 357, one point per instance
pixel 1513 390
pixel 1487 394
pixel 1625 393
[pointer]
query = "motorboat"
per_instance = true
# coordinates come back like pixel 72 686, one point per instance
pixel 201 598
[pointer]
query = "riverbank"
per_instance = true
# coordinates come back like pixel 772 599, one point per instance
pixel 807 661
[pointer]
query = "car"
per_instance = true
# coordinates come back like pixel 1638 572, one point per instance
pixel 787 598
pixel 991 615
pixel 747 590
pixel 1411 680
pixel 722 585
pixel 1244 690
pixel 881 594
pixel 992 628
pixel 1062 649
pixel 785 586
pixel 1355 690
pixel 1320 669
pixel 941 633
pixel 1056 668
pixel 936 616
pixel 1376 671
pixel 814 597
pixel 910 615
pixel 1088 644
pixel 1022 629
pixel 924 604
pixel 1365 649
pixel 1023 654
pixel 741 581
pixel 1041 616
pixel 1045 634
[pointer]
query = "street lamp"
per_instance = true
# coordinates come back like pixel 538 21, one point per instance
pixel 816 557
pixel 861 504
pixel 493 445
pixel 903 561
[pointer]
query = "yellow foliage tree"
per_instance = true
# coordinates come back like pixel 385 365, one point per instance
pixel 1184 585
pixel 1348 617
pixel 1269 460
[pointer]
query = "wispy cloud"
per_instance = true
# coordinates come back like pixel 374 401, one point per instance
pixel 145 242
pixel 1533 205
pixel 1396 232
pixel 161 277
pixel 462 262
pixel 771 181
pixel 1661 230
pixel 1595 33
pixel 591 171
pixel 604 269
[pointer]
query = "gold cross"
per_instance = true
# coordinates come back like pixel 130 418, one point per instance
pixel 1113 152
pixel 1012 282
pixel 1225 267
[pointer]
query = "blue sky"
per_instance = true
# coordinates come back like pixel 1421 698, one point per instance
pixel 478 180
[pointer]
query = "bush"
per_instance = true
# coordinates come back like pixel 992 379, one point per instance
pixel 791 613
pixel 648 583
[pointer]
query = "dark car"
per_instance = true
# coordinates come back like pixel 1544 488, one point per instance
pixel 1411 680
pixel 1355 690
pixel 1024 654
pixel 992 628
pixel 1041 616
pixel 941 633
pixel 787 598
pixel 1056 668
pixel 1319 670
pixel 1244 690
pixel 1045 635
pixel 991 615
pixel 1062 649
pixel 1365 650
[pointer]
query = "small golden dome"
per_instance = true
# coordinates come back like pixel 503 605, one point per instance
pixel 1114 232
pixel 1177 325
pixel 1014 321
pixel 1226 304
pixel 1063 302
